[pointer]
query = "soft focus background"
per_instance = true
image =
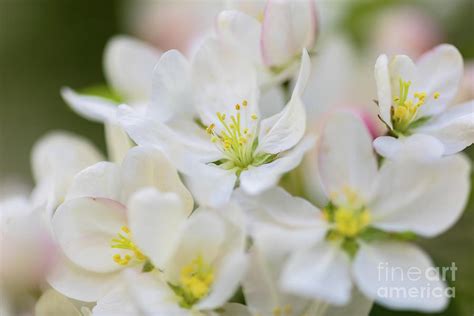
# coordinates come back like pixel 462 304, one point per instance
pixel 46 44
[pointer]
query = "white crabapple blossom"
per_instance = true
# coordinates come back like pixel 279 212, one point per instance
pixel 128 68
pixel 198 275
pixel 230 144
pixel 414 102
pixel 271 34
pixel 96 230
pixel 369 215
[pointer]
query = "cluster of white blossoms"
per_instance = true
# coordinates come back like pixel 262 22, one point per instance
pixel 188 216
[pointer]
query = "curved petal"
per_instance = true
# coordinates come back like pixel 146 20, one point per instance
pixel 424 197
pixel 128 66
pixel 99 180
pixel 117 141
pixel 417 146
pixel 203 235
pixel 230 272
pixel 180 146
pixel 210 185
pixel 172 91
pixel 77 283
pixel 155 220
pixel 222 78
pixel 53 303
pixel 401 67
pixel 255 180
pixel 284 130
pixel 439 70
pixel 288 27
pixel 93 108
pixel 384 90
pixel 346 157
pixel 85 227
pixel 321 272
pixel 453 127
pixel 242 31
pixel 381 268
pixel 146 166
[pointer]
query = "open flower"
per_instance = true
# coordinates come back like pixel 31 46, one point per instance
pixel 128 67
pixel 369 215
pixel 413 101
pixel 271 38
pixel 230 144
pixel 199 273
pixel 96 231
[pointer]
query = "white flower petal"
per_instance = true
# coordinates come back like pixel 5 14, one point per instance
pixel 210 185
pixel 56 159
pixel 242 31
pixel 148 167
pixel 53 303
pixel 230 272
pixel 75 282
pixel 417 146
pixel 222 78
pixel 424 197
pixel 381 267
pixel 321 272
pixel 117 141
pixel 439 70
pixel 257 179
pixel 155 220
pixel 235 309
pixel 93 108
pixel 401 67
pixel 172 90
pixel 384 90
pixel 128 65
pixel 203 235
pixel 359 305
pixel 453 127
pixel 284 130
pixel 288 27
pixel 85 227
pixel 99 180
pixel 346 157
pixel 272 101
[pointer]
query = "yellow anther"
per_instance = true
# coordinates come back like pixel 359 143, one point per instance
pixel 244 103
pixel 396 99
pixel 210 128
pixel 436 95
pixel 125 229
pixel 196 280
pixel 288 309
pixel 277 311
pixel 254 117
pixel 237 107
pixel 350 222
pixel 124 242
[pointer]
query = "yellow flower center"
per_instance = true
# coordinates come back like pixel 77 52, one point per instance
pixel 405 109
pixel 196 280
pixel 236 139
pixel 286 310
pixel 348 214
pixel 124 241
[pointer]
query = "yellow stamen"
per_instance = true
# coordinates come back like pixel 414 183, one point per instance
pixel 436 95
pixel 124 242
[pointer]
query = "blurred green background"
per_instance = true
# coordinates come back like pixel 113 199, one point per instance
pixel 46 44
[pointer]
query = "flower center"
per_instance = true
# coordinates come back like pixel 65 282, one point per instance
pixel 237 139
pixel 283 311
pixel 195 282
pixel 405 109
pixel 348 214
pixel 124 241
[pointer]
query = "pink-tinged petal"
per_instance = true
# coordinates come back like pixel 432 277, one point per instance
pixel 84 229
pixel 346 157
pixel 382 268
pixel 425 197
pixel 288 27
